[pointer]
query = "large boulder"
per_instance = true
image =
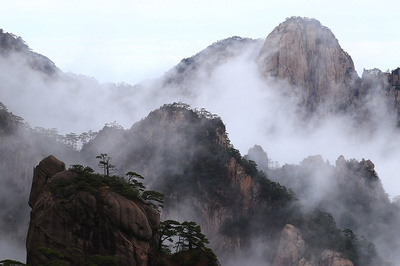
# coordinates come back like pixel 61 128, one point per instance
pixel 78 225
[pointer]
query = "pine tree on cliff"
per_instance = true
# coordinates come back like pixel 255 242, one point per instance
pixel 105 164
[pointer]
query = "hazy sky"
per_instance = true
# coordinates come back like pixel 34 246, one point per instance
pixel 128 41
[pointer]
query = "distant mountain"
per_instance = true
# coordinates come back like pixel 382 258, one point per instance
pixel 184 76
pixel 11 45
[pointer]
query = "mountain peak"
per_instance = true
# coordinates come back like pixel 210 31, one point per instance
pixel 308 56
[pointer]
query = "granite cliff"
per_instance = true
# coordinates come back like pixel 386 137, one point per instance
pixel 307 62
pixel 308 56
pixel 83 225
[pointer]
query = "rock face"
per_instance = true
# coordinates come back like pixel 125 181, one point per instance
pixel 308 56
pixel 46 169
pixel 81 225
pixel 292 248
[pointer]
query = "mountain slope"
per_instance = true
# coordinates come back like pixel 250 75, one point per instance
pixel 11 45
pixel 187 155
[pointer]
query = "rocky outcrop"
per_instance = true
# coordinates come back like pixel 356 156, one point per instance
pixel 79 225
pixel 292 252
pixel 46 169
pixel 291 247
pixel 307 55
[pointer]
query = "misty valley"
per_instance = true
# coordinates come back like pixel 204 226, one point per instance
pixel 146 174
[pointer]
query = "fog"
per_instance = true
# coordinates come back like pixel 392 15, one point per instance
pixel 255 111
pixel 258 112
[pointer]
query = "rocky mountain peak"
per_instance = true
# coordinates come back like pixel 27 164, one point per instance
pixel 308 56
pixel 180 119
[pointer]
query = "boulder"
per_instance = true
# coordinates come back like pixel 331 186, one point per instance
pixel 76 225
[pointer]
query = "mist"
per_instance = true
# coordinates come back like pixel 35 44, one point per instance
pixel 255 110
pixel 260 112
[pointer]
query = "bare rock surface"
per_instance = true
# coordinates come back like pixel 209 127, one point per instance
pixel 308 56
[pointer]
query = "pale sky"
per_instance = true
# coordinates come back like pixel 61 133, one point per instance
pixel 128 41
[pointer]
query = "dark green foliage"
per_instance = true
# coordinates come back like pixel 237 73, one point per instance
pixel 320 231
pixel 190 236
pixel 189 244
pixel 272 191
pixel 359 251
pixel 235 154
pixel 9 122
pixel 54 258
pixel 105 164
pixel 87 180
pixel 134 182
pixel 349 245
pixel 249 165
pixel 11 263
pixel 187 233
pixel 166 231
pixel 155 198
pixel 367 254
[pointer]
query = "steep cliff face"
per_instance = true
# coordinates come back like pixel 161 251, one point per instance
pixel 80 224
pixel 186 155
pixel 308 56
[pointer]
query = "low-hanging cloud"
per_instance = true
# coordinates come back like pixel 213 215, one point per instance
pixel 255 110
